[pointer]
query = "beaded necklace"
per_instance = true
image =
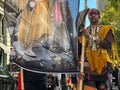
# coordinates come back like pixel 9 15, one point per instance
pixel 93 30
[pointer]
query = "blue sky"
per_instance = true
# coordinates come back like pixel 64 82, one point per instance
pixel 90 4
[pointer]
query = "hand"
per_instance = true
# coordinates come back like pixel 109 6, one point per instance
pixel 86 33
pixel 81 76
pixel 97 41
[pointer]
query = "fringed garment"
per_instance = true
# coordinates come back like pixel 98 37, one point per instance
pixel 97 56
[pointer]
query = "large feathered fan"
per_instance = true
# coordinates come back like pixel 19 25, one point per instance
pixel 80 20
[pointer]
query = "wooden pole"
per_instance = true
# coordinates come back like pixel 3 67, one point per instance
pixel 22 79
pixel 80 83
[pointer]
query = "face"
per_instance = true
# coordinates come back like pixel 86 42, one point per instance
pixel 93 16
pixel 32 3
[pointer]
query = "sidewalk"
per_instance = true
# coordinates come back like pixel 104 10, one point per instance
pixel 115 88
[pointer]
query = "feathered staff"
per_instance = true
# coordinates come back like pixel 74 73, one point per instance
pixel 80 23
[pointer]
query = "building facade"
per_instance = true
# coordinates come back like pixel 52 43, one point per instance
pixel 4 39
pixel 100 4
pixel 7 82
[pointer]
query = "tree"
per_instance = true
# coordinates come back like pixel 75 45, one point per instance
pixel 111 16
pixel 114 4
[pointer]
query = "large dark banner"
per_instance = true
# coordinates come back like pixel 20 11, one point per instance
pixel 44 36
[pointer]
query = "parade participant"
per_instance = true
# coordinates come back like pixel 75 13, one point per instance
pixel 98 40
pixel 34 81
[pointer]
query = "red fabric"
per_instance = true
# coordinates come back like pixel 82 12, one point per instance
pixel 57 12
pixel 88 76
pixel 68 79
pixel 19 82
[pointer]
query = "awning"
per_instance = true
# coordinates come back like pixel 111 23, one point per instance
pixel 5 48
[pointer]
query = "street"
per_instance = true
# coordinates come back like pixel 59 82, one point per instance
pixel 115 87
